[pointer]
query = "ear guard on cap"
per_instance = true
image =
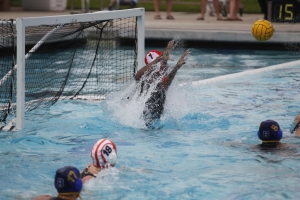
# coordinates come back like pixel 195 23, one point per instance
pixel 112 158
pixel 267 136
pixel 269 131
pixel 75 187
pixel 78 185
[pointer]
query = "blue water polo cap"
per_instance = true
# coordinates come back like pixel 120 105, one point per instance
pixel 269 131
pixel 67 180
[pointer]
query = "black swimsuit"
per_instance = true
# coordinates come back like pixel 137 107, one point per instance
pixel 147 81
pixel 86 172
pixel 154 106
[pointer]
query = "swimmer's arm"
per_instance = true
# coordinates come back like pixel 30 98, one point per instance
pixel 42 197
pixel 141 72
pixel 172 74
pixel 164 58
pixel 166 55
pixel 287 146
pixel 167 51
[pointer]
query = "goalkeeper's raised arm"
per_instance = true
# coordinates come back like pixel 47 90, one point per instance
pixel 156 72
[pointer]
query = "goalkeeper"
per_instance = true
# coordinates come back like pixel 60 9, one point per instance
pixel 157 76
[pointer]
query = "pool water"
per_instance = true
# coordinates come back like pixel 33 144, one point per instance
pixel 206 147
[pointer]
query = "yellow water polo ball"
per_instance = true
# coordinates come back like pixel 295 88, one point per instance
pixel 262 30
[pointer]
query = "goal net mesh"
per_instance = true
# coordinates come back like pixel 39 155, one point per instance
pixel 68 61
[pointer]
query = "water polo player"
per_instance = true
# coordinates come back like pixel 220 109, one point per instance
pixel 68 184
pixel 155 75
pixel 269 133
pixel 104 155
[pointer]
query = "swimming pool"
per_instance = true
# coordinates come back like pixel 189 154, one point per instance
pixel 205 149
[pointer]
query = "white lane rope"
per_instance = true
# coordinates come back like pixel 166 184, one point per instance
pixel 244 73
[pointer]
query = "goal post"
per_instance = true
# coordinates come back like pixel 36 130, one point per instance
pixel 96 57
pixel 20 104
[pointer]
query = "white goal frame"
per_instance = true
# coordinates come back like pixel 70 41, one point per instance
pixel 36 21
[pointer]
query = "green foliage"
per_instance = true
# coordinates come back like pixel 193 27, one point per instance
pixel 250 6
pixel 16 3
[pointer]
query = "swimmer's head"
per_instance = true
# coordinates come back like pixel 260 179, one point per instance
pixel 104 153
pixel 269 131
pixel 151 56
pixel 67 181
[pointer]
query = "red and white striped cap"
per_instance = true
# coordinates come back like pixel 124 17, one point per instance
pixel 151 55
pixel 104 153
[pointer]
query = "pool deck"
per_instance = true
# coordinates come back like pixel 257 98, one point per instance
pixel 208 32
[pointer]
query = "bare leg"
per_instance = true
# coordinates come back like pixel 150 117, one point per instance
pixel 169 7
pixel 237 7
pixel 203 7
pixel 231 8
pixel 217 8
pixel 234 9
pixel 156 7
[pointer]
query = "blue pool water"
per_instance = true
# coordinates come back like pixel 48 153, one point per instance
pixel 206 148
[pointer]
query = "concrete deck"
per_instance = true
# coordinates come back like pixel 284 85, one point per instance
pixel 186 27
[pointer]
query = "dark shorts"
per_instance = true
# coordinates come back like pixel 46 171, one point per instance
pixel 154 106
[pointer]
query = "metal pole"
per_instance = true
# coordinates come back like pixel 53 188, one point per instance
pixel 141 39
pixel 20 111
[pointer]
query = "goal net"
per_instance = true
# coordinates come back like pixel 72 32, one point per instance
pixel 83 56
